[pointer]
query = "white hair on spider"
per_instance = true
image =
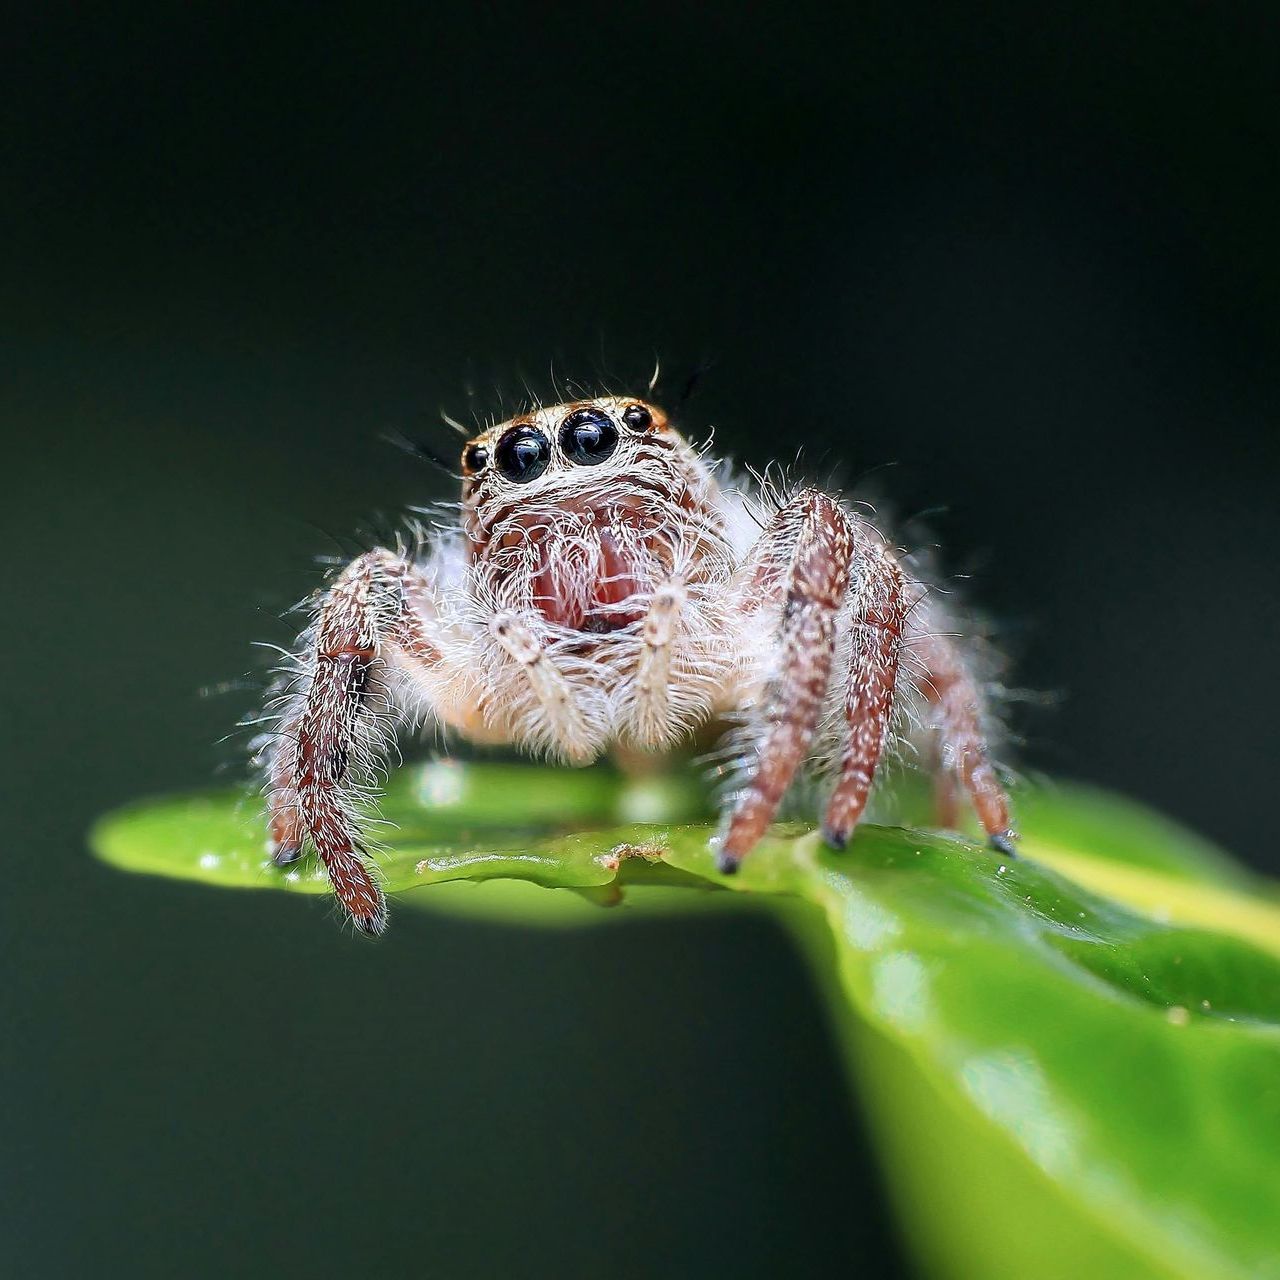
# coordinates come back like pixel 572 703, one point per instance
pixel 604 584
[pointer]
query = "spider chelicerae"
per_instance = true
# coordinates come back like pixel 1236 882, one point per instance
pixel 609 586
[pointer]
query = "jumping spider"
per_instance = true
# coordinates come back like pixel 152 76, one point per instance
pixel 609 587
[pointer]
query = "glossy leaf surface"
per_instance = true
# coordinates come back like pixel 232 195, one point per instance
pixel 1072 1059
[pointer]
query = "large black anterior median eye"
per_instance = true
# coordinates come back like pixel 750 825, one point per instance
pixel 522 454
pixel 588 436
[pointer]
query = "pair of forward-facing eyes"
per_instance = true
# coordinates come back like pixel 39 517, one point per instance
pixel 586 436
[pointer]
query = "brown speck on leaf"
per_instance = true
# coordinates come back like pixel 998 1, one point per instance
pixel 612 860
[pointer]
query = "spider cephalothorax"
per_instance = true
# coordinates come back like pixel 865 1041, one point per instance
pixel 606 587
pixel 579 511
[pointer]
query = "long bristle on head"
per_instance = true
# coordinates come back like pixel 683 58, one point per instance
pixel 419 449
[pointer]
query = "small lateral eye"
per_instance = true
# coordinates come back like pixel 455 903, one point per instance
pixel 523 454
pixel 637 417
pixel 588 436
pixel 475 457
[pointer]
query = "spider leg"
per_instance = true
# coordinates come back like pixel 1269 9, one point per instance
pixel 877 621
pixel 652 686
pixel 948 685
pixel 564 718
pixel 327 737
pixel 946 794
pixel 813 579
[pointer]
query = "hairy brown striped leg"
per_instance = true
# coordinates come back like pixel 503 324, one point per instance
pixel 877 620
pixel 814 578
pixel 327 737
pixel 964 759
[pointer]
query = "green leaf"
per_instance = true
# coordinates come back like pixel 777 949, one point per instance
pixel 1072 1059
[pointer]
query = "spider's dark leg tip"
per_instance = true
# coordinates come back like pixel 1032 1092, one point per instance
pixel 284 854
pixel 1005 842
pixel 834 839
pixel 727 864
pixel 372 925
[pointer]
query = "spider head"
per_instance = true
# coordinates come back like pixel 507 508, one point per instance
pixel 561 449
pixel 575 508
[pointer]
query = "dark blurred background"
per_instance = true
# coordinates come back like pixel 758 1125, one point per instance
pixel 1027 255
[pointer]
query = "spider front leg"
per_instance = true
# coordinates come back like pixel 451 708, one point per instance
pixel 327 739
pixel 804 556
